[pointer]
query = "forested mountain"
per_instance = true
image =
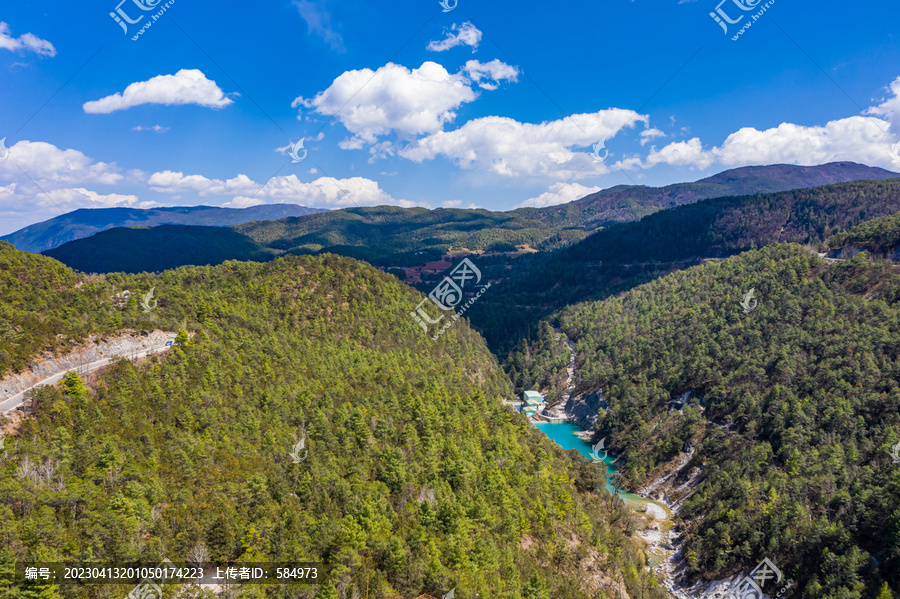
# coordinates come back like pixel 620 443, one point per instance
pixel 879 236
pixel 391 236
pixel 417 478
pixel 628 254
pixel 160 248
pixel 631 202
pixel 88 221
pixel 795 407
pixel 383 236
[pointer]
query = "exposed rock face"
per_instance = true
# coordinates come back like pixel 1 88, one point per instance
pixel 95 347
pixel 584 408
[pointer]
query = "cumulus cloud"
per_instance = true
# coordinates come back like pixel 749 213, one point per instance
pixel 323 192
pixel 506 147
pixel 864 139
pixel 560 193
pixel 176 182
pixel 393 98
pixel 858 139
pixel 488 75
pixel 27 204
pixel 27 42
pixel 464 35
pixel 648 134
pixel 40 181
pixel 890 108
pixel 79 197
pixel 187 86
pixel 48 163
pixel 318 20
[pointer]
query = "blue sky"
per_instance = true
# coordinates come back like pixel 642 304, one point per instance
pixel 493 105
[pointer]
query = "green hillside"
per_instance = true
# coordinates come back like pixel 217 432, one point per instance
pixel 383 236
pixel 878 236
pixel 624 203
pixel 795 407
pixel 154 249
pixel 417 478
pixel 390 236
pixel 85 222
pixel 625 255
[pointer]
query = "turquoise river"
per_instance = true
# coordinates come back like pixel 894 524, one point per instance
pixel 564 435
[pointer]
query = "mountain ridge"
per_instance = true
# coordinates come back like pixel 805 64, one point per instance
pixel 616 204
pixel 86 222
pixel 531 226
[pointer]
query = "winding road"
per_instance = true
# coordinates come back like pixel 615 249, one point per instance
pixel 11 403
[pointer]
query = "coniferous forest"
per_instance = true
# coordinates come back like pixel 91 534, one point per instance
pixel 417 479
pixel 763 382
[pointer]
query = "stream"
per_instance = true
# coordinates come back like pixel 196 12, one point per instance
pixel 657 517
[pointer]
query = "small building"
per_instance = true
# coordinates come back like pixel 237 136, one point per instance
pixel 532 398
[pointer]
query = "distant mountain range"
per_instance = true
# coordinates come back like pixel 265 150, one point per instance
pixel 89 221
pixel 623 256
pixel 392 236
pixel 154 249
pixel 631 202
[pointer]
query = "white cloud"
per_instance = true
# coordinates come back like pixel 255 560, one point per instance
pixel 506 147
pixel 681 153
pixel 492 72
pixel 351 143
pixel 27 42
pixel 79 197
pixel 393 98
pixel 22 205
pixel 47 163
pixel 324 191
pixel 8 192
pixel 890 108
pixel 465 35
pixel 187 86
pixel 648 134
pixel 40 181
pixel 176 182
pixel 858 139
pixel 560 193
pixel 864 139
pixel 154 128
pixel 318 20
